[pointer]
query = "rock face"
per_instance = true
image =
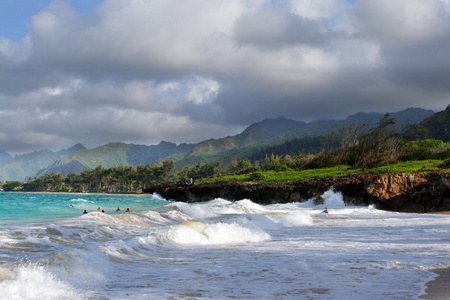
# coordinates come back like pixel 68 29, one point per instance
pixel 395 192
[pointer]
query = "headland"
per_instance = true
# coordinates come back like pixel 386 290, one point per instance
pixel 413 192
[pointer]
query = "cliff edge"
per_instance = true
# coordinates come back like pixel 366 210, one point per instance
pixel 419 193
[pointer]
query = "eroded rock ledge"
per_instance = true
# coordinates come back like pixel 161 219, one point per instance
pixel 419 193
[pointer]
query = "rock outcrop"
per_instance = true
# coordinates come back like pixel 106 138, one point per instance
pixel 419 193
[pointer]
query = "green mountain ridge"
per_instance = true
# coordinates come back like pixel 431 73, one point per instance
pixel 272 132
pixel 438 125
pixel 266 133
pixel 279 125
pixel 23 166
pixel 114 155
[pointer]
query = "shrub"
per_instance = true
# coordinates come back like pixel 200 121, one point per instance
pixel 256 176
pixel 12 186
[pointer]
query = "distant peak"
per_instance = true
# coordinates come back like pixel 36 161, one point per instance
pixel 165 143
pixel 4 155
pixel 279 125
pixel 78 146
pixel 75 148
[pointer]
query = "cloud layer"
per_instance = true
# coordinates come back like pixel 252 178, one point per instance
pixel 185 71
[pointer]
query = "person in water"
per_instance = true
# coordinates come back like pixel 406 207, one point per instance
pixel 325 211
pixel 98 208
pixel 103 211
pixel 118 209
pixel 128 210
pixel 71 205
pixel 85 212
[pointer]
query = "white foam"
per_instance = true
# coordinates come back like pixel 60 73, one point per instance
pixel 82 268
pixel 241 207
pixel 156 196
pixel 311 203
pixel 32 281
pixel 196 211
pixel 177 216
pixel 155 217
pixel 223 249
pixel 333 199
pixel 292 219
pixel 198 233
pixel 219 202
pixel 124 252
pixel 79 200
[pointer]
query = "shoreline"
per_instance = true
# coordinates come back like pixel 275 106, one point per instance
pixel 439 213
pixel 148 193
pixel 81 193
pixel 439 287
pixel 410 193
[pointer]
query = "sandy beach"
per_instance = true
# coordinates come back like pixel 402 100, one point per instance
pixel 440 213
pixel 438 288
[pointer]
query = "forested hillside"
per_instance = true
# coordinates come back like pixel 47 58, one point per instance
pixel 354 149
pixel 114 155
pixel 279 136
pixel 437 126
pixel 259 138
pixel 23 166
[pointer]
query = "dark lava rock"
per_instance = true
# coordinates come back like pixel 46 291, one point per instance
pixel 418 193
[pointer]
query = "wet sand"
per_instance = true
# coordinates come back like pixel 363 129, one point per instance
pixel 439 287
pixel 440 213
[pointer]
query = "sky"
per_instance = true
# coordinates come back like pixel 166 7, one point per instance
pixel 146 71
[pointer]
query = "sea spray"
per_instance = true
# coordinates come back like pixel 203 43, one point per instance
pixel 198 233
pixel 197 211
pixel 292 219
pixel 32 281
pixel 333 199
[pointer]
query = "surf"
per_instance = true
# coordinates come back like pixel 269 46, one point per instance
pixel 217 249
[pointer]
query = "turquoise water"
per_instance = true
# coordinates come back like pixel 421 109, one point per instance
pixel 214 250
pixel 23 208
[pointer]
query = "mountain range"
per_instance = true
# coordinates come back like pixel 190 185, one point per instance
pixel 266 133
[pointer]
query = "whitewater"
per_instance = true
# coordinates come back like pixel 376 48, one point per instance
pixel 163 249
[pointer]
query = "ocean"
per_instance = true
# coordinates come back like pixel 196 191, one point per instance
pixel 165 249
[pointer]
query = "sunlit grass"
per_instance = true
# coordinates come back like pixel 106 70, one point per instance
pixel 336 171
pixel 408 167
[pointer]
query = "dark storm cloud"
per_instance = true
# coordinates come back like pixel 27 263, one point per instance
pixel 186 71
pixel 414 38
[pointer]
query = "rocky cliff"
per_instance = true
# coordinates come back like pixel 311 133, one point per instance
pixel 429 192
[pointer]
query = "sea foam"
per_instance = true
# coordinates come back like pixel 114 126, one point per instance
pixel 216 249
pixel 199 233
pixel 32 281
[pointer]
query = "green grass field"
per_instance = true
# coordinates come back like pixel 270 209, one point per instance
pixel 294 175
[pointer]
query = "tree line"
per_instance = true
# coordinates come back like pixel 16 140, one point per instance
pixel 357 146
pixel 123 179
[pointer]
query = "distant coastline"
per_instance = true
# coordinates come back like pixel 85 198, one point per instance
pixel 81 193
pixel 149 194
pixel 415 192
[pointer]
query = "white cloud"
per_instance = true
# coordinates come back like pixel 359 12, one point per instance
pixel 447 5
pixel 317 9
pixel 14 52
pixel 52 91
pixel 189 70
pixel 202 90
pixel 403 21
